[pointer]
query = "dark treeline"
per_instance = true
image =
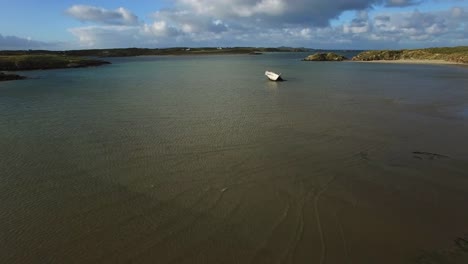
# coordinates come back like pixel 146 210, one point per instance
pixel 126 52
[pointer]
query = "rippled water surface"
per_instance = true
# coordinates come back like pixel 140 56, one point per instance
pixel 202 160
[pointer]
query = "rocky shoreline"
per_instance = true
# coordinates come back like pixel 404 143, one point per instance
pixel 454 55
pixel 330 56
pixel 42 62
pixel 10 77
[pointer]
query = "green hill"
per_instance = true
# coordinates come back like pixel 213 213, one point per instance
pixel 44 61
pixel 454 54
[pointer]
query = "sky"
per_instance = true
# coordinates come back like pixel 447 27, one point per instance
pixel 321 24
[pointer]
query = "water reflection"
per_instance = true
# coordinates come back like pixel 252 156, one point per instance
pixel 272 87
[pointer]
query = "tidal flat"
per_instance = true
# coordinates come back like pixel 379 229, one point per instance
pixel 201 159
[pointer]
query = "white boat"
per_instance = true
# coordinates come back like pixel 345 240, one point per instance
pixel 273 76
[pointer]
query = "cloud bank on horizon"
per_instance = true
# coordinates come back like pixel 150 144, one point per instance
pixel 357 24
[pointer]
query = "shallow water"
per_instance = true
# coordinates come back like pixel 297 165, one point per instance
pixel 200 159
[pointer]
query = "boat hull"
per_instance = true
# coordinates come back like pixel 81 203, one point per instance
pixel 273 76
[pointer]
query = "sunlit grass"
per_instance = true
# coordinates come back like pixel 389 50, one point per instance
pixel 453 54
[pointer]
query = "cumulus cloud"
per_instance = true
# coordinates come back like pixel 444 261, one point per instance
pixel 311 12
pixel 358 25
pixel 415 28
pixel 111 36
pixel 271 23
pixel 120 16
pixel 241 8
pixel 184 22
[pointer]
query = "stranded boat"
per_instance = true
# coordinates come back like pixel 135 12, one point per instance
pixel 273 76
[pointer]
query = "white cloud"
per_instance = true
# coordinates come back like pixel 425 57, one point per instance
pixel 120 16
pixel 110 36
pixel 240 8
pixel 412 28
pixel 358 25
pixel 310 12
pixel 272 23
pixel 160 29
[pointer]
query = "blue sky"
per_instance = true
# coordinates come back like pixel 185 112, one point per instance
pixel 341 24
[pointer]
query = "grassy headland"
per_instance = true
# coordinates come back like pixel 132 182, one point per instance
pixel 19 60
pixel 128 52
pixel 453 55
pixel 22 62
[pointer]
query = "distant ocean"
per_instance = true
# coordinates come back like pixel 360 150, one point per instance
pixel 201 159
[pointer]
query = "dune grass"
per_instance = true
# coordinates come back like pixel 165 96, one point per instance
pixel 451 54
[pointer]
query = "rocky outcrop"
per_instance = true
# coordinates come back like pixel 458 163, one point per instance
pixel 378 55
pixel 9 77
pixel 330 56
pixel 451 54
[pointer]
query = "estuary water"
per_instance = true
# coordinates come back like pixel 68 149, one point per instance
pixel 201 159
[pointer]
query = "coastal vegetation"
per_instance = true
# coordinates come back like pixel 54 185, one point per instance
pixel 128 52
pixel 453 54
pixel 44 61
pixel 19 60
pixel 330 56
